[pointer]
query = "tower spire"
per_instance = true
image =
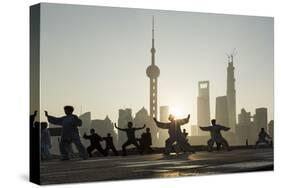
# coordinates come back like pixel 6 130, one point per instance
pixel 153 48
pixel 152 31
pixel 153 73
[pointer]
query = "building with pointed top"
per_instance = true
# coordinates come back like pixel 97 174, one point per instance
pixel 231 95
pixel 153 73
pixel 142 117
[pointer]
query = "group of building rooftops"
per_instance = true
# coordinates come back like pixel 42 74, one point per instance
pixel 177 139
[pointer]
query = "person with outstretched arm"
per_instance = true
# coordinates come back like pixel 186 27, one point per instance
pixel 109 144
pixel 216 136
pixel 95 140
pixel 70 133
pixel 130 131
pixel 175 134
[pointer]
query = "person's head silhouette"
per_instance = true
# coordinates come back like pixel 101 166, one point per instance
pixel 108 135
pixel 130 124
pixel 171 117
pixel 147 130
pixel 262 129
pixel 184 130
pixel 213 121
pixel 92 131
pixel 68 110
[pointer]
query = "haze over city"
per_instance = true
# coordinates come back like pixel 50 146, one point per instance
pixel 96 58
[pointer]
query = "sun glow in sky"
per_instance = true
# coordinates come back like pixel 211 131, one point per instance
pixel 95 58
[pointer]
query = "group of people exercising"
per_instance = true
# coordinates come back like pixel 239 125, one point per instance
pixel 70 134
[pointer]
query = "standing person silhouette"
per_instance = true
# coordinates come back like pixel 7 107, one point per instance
pixel 109 144
pixel 146 141
pixel 46 143
pixel 174 130
pixel 70 133
pixel 95 140
pixel 216 137
pixel 130 131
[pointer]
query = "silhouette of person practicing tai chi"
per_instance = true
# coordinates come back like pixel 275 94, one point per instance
pixel 263 136
pixel 109 144
pixel 146 141
pixel 46 143
pixel 175 134
pixel 70 134
pixel 216 137
pixel 95 140
pixel 130 131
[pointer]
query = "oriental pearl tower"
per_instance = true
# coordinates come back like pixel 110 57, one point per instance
pixel 153 73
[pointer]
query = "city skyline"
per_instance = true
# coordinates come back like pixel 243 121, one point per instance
pixel 119 59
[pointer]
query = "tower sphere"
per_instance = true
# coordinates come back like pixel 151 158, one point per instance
pixel 152 71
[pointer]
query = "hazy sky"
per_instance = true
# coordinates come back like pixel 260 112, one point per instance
pixel 96 58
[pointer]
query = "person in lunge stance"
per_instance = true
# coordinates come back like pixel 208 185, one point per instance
pixel 95 140
pixel 130 131
pixel 109 144
pixel 216 137
pixel 175 134
pixel 70 134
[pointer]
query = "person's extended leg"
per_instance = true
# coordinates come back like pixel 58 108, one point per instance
pixel 102 151
pixel 82 151
pixel 124 147
pixel 90 149
pixel 114 150
pixel 184 145
pixel 225 144
pixel 65 144
pixel 218 146
pixel 169 145
pixel 135 143
pixel 210 145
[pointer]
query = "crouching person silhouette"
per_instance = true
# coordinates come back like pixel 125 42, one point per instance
pixel 174 130
pixel 109 144
pixel 130 131
pixel 70 133
pixel 216 137
pixel 95 140
pixel 263 138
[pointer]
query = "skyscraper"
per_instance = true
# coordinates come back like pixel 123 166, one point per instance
pixel 221 111
pixel 244 126
pixel 260 119
pixel 203 105
pixel 124 117
pixel 231 94
pixel 153 73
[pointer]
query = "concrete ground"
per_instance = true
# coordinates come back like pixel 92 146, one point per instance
pixel 155 166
